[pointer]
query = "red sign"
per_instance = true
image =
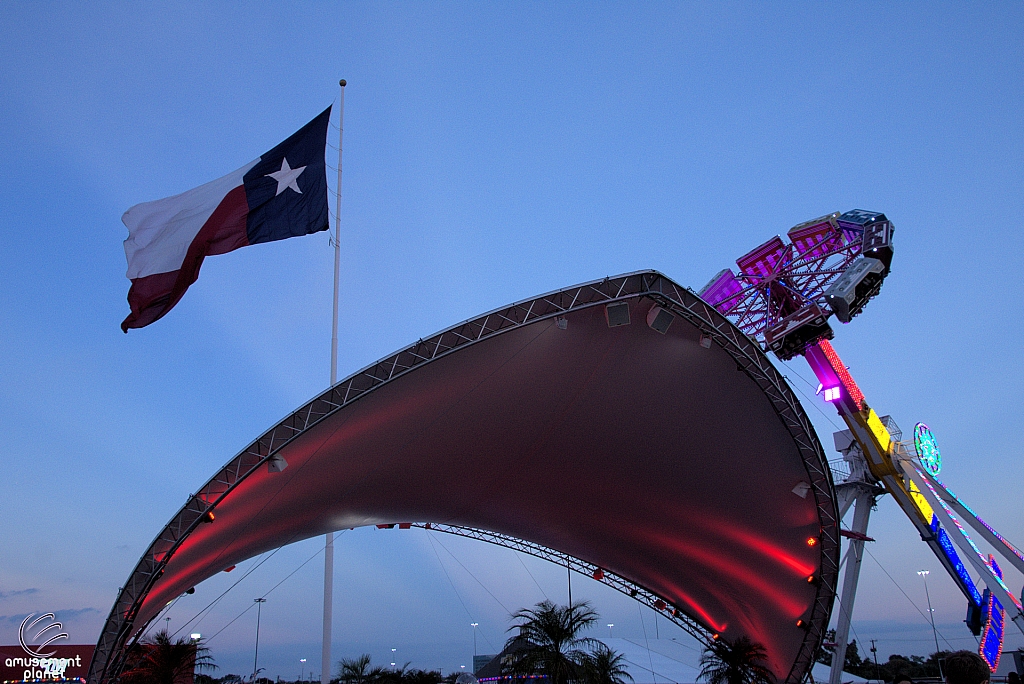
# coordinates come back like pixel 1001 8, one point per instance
pixel 67 662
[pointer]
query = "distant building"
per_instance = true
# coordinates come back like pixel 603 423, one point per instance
pixel 495 669
pixel 480 660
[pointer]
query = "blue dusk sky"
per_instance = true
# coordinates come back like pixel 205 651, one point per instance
pixel 493 151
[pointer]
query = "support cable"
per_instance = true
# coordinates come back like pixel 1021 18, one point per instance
pixel 907 596
pixel 521 562
pixel 267 593
pixel 215 601
pixel 457 594
pixel 474 577
pixel 647 644
pixel 203 613
pixel 814 403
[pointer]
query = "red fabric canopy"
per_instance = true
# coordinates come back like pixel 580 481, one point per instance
pixel 650 455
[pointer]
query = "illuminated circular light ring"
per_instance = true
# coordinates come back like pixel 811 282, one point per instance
pixel 927 450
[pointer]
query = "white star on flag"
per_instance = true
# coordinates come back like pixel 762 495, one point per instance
pixel 286 177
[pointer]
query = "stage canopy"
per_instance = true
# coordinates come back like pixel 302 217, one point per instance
pixel 623 423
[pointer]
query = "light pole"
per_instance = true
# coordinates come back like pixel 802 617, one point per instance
pixel 474 625
pixel 255 658
pixel 303 670
pixel 393 656
pixel 610 625
pixel 931 613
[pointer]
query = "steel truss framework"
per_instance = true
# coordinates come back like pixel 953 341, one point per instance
pixel 120 629
pixel 777 277
pixel 763 302
pixel 620 584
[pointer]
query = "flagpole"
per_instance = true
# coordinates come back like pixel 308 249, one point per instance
pixel 325 663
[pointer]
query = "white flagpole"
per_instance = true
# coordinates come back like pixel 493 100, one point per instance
pixel 325 662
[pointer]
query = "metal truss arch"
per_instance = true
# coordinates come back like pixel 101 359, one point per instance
pixel 122 626
pixel 674 614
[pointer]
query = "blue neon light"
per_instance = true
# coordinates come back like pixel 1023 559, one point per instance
pixel 992 637
pixel 954 560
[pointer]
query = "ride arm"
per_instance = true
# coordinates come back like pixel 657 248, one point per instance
pixel 878 448
pixel 974 556
pixel 996 540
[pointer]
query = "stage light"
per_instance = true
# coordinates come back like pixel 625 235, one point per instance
pixel 598 574
pixel 208 517
pixel 659 319
pixel 812 541
pixel 617 314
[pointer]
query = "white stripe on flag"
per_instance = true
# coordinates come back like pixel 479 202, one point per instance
pixel 160 232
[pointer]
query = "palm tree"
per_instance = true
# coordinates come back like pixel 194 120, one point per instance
pixel 395 675
pixel 158 660
pixel 358 670
pixel 739 662
pixel 553 645
pixel 605 666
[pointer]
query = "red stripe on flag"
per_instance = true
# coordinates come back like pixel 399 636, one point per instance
pixel 152 296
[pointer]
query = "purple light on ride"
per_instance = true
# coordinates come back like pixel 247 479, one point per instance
pixel 763 261
pixel 723 291
pixel 823 370
pixel 833 394
pixel 817 238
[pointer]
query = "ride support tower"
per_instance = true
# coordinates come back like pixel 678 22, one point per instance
pixel 782 296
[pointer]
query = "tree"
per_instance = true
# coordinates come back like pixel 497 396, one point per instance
pixel 358 670
pixel 853 661
pixel 158 660
pixel 739 662
pixel 553 645
pixel 422 677
pixel 605 666
pixel 824 653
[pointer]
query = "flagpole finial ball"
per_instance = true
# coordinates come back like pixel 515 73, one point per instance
pixel 342 83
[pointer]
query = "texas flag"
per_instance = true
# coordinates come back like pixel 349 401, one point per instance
pixel 280 195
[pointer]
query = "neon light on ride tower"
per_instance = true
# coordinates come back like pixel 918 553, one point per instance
pixel 927 450
pixel 782 296
pixel 995 619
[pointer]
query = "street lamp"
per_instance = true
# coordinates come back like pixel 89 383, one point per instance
pixel 610 625
pixel 303 670
pixel 931 613
pixel 255 658
pixel 195 636
pixel 393 656
pixel 474 625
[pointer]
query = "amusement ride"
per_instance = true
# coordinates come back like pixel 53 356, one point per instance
pixel 782 296
pixel 537 406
